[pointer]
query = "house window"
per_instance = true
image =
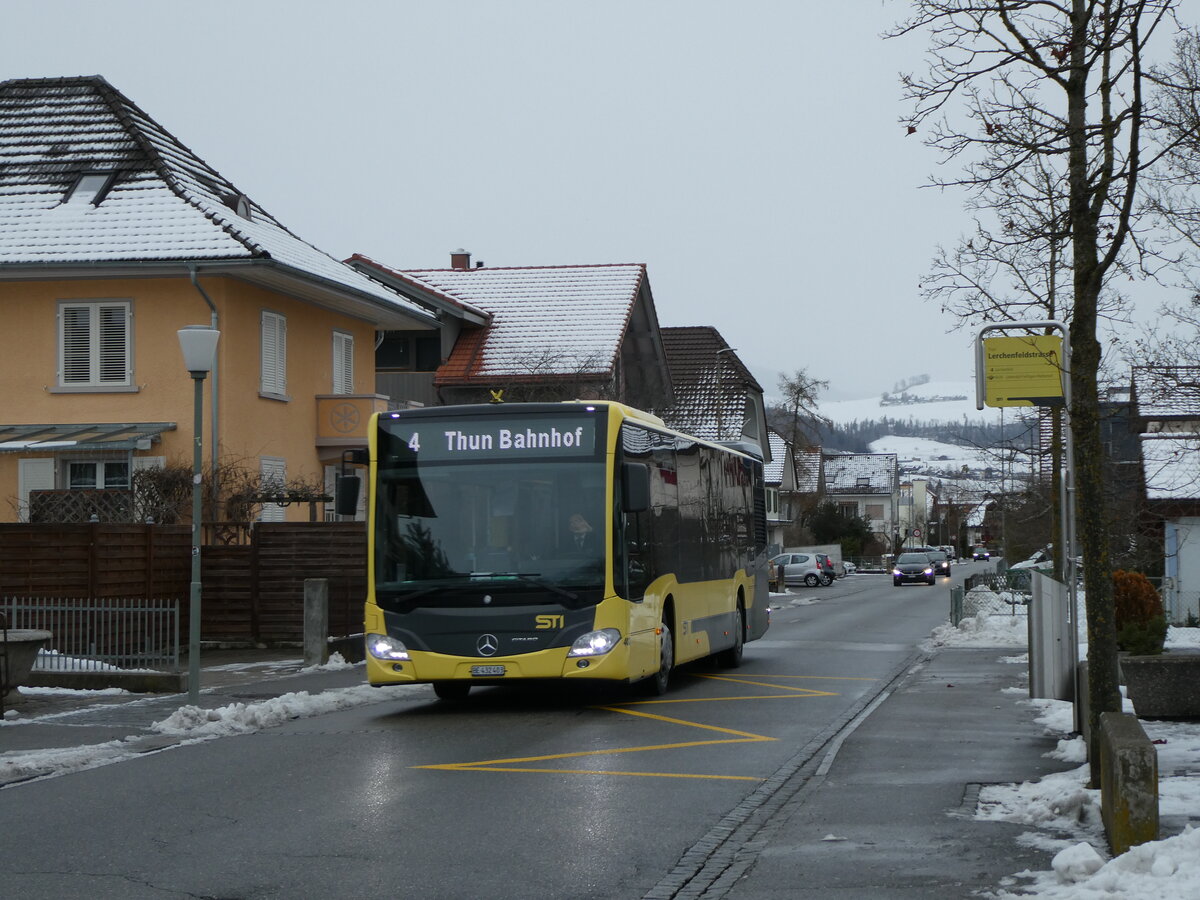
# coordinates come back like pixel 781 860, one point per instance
pixel 874 511
pixel 274 355
pixel 772 502
pixel 863 481
pixel 108 475
pixel 848 509
pixel 343 363
pixel 93 344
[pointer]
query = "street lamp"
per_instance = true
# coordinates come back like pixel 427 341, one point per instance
pixel 199 346
pixel 721 389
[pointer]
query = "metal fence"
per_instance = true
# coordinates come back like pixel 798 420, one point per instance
pixel 91 635
pixel 1182 607
pixel 989 593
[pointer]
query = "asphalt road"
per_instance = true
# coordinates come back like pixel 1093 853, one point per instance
pixel 519 792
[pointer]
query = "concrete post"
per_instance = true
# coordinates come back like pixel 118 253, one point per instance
pixel 316 621
pixel 1128 782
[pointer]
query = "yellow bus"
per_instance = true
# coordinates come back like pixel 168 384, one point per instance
pixel 580 540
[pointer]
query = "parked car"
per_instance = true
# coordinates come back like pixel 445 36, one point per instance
pixel 912 567
pixel 981 553
pixel 941 562
pixel 798 568
pixel 951 553
pixel 849 568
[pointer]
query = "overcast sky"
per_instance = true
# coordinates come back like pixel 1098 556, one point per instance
pixel 748 153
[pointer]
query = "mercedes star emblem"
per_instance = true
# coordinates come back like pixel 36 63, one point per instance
pixel 487 644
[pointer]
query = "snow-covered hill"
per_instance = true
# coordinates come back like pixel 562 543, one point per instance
pixel 934 401
pixel 972 470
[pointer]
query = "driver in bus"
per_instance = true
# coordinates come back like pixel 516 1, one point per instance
pixel 582 539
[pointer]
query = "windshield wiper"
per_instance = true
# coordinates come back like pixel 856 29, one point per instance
pixel 533 578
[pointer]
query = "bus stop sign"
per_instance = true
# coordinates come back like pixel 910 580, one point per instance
pixel 1023 371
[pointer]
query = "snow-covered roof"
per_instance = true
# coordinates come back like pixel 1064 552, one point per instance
pixel 773 471
pixel 546 321
pixel 1166 392
pixel 808 470
pixel 88 179
pixel 861 473
pixel 1171 466
pixel 712 385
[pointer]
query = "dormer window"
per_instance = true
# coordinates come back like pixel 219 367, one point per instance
pixel 240 204
pixel 90 187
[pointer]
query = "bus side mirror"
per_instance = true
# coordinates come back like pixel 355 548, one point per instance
pixel 635 487
pixel 345 493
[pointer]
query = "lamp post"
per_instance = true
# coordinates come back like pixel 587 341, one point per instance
pixel 721 390
pixel 199 346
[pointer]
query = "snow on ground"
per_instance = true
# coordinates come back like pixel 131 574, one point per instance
pixel 189 724
pixel 1065 812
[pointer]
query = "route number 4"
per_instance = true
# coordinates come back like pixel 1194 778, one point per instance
pixel 414 443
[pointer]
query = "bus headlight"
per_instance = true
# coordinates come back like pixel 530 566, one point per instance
pixel 595 643
pixel 381 646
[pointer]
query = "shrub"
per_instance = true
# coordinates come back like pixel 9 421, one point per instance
pixel 1139 617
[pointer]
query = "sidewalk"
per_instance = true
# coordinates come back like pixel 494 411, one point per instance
pixel 893 813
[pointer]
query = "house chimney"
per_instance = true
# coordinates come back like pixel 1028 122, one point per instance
pixel 460 259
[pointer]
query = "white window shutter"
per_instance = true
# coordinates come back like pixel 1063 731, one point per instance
pixel 331 473
pixel 273 477
pixel 32 475
pixel 113 345
pixel 274 353
pixel 75 364
pixel 343 363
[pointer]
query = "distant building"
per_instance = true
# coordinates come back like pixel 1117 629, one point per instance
pixel 866 485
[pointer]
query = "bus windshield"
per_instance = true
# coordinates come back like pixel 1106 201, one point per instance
pixel 477 527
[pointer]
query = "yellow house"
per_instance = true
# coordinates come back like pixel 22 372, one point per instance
pixel 113 236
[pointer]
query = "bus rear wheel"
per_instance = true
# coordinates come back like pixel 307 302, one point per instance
pixel 661 680
pixel 451 691
pixel 731 658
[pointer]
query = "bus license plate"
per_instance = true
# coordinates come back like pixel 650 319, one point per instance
pixel 487 671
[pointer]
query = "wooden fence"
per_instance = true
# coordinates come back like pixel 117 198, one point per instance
pixel 250 592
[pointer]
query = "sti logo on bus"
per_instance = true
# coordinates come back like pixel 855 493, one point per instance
pixel 545 622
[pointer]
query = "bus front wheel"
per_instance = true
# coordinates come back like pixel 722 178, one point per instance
pixel 451 691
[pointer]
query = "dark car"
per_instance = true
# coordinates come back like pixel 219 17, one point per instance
pixel 981 553
pixel 828 573
pixel 941 562
pixel 912 567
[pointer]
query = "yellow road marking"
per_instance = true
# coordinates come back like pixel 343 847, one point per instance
pixel 739 737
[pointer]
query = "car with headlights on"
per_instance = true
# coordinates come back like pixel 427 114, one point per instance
pixel 914 567
pixel 941 562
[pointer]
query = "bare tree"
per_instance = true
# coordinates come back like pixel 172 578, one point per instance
pixel 1018 87
pixel 800 399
